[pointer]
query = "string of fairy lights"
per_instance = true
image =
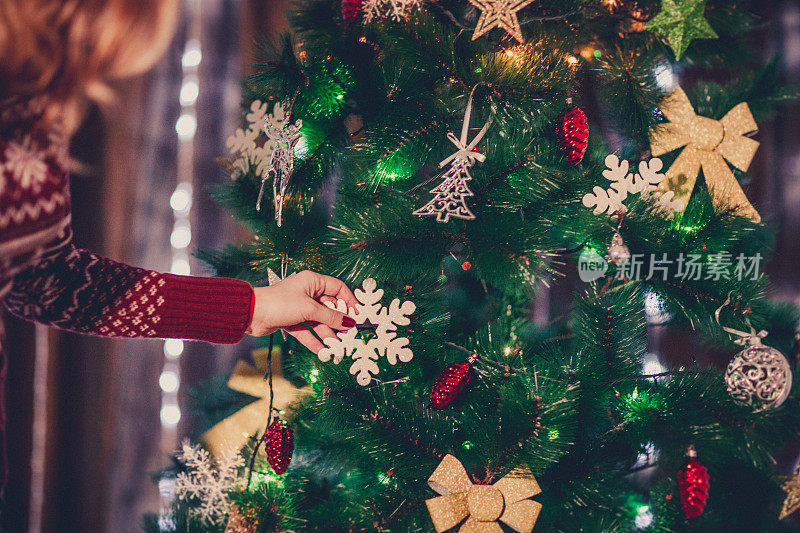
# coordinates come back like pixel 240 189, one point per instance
pixel 181 203
pixel 180 240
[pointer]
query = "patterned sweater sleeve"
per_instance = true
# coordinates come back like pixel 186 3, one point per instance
pixel 44 278
pixel 77 290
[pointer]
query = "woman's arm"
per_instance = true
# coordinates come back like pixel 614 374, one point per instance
pixel 77 290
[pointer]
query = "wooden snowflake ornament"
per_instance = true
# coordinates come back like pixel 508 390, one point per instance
pixel 645 182
pixel 385 342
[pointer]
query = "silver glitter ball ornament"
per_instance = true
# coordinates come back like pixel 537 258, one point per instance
pixel 759 376
pixel 618 252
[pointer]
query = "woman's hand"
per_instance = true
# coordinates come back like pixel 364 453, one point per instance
pixel 299 298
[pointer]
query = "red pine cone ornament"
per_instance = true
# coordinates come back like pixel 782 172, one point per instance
pixel 351 10
pixel 279 445
pixel 693 485
pixel 451 382
pixel 573 134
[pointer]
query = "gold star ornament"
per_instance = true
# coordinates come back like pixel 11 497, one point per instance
pixel 499 13
pixel 792 490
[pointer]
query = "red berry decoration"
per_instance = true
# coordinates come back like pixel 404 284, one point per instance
pixel 279 445
pixel 573 134
pixel 466 265
pixel 451 382
pixel 693 485
pixel 351 10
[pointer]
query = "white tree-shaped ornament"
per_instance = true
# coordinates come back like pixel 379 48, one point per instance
pixel 385 342
pixel 624 182
pixel 285 135
pixel 449 198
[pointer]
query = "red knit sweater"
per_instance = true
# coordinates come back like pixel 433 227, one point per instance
pixel 44 278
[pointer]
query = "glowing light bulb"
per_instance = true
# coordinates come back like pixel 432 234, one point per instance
pixel 644 517
pixel 169 381
pixel 192 56
pixel 655 308
pixel 181 236
pixel 665 77
pixel 181 199
pixel 173 348
pixel 190 90
pixel 186 126
pixel 652 365
pixel 301 148
pixel 170 415
pixel 180 266
pixel 572 60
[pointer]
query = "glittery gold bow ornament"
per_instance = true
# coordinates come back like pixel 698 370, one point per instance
pixel 233 432
pixel 707 143
pixel 481 505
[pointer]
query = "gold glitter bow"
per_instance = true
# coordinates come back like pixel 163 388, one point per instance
pixel 482 505
pixel 708 144
pixel 233 432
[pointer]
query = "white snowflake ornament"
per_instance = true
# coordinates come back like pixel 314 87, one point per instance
pixel 624 182
pixel 249 145
pixel 209 482
pixel 385 343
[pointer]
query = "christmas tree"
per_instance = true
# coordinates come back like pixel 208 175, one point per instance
pixel 448 408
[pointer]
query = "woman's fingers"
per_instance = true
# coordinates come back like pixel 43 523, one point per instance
pixel 323 331
pixel 330 286
pixel 330 317
pixel 327 299
pixel 306 338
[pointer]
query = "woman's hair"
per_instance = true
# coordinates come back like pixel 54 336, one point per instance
pixel 67 50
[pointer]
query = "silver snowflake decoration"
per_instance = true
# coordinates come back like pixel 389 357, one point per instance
pixel 624 182
pixel 385 342
pixel 449 197
pixel 208 482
